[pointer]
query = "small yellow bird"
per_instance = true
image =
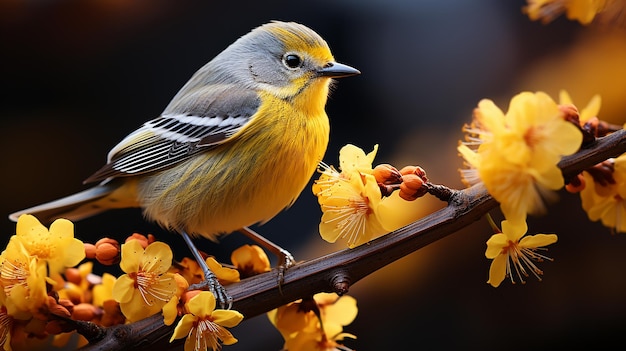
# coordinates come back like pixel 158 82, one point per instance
pixel 235 146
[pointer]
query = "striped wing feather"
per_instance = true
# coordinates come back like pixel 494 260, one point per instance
pixel 209 118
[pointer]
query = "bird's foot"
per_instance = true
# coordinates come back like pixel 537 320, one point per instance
pixel 285 261
pixel 210 283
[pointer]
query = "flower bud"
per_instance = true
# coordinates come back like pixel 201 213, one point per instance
pixel 61 308
pixel 576 185
pixel 72 275
pixel 387 174
pixel 108 251
pixel 417 170
pixel 570 113
pixel 411 187
pixel 84 312
pixel 143 240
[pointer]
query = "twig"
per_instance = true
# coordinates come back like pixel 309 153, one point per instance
pixel 337 271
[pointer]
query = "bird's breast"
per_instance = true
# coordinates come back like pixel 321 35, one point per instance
pixel 244 181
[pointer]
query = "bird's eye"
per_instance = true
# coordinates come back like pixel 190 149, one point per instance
pixel 292 61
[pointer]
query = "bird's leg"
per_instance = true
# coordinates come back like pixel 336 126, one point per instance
pixel 210 280
pixel 285 259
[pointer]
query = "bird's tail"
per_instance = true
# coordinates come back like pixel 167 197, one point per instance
pixel 78 206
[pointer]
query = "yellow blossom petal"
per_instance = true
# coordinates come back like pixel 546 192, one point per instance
pixel 343 311
pixel 250 259
pixel 136 309
pixel 490 117
pixel 170 311
pixel 227 318
pixel 123 289
pixel 201 305
pixel 157 257
pixel 497 270
pixel 183 327
pixel 227 338
pixel 514 230
pixel 224 274
pixel 538 240
pixel 495 245
pixel 132 252
pixel 353 158
pixel 289 318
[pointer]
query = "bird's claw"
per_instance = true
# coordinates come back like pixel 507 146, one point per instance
pixel 223 299
pixel 285 261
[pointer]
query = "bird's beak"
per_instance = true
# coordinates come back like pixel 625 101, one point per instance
pixel 337 70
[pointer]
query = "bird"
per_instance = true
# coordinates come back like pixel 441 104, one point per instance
pixel 234 147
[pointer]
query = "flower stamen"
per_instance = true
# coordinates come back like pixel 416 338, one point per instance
pixel 147 283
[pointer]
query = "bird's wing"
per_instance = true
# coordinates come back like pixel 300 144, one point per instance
pixel 197 123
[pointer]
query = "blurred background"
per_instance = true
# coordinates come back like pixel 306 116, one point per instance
pixel 78 76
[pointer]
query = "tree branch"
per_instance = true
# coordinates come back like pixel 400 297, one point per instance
pixel 337 271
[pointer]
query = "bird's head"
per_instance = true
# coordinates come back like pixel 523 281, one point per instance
pixel 286 59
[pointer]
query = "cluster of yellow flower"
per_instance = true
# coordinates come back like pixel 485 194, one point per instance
pixel 515 155
pixel 30 267
pixel 316 323
pixel 44 289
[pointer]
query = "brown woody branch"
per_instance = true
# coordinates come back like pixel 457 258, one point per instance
pixel 337 271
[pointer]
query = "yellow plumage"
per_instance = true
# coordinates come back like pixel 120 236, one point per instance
pixel 251 178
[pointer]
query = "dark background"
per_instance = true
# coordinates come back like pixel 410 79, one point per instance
pixel 77 76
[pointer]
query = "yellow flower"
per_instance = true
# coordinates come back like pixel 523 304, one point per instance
pixel 250 260
pixel 303 330
pixel 591 110
pixel 583 11
pixel 23 279
pixel 607 202
pixel 349 199
pixel 514 257
pixel 147 286
pixel 204 326
pixel 56 246
pixel 350 211
pixel 516 155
